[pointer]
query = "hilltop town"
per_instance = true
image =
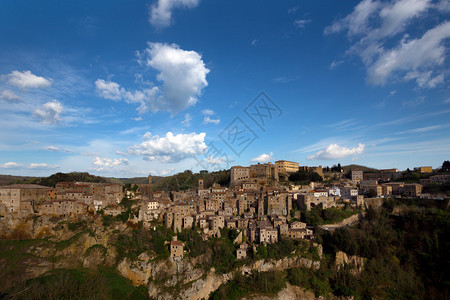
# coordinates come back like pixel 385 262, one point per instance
pixel 262 201
pixel 259 212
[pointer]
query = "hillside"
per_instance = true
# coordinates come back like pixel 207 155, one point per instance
pixel 187 179
pixel 358 167
pixel 10 179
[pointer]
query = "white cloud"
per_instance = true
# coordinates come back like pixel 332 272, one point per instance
pixel 182 73
pixel 50 112
pixel 56 149
pixel 145 98
pixel 107 163
pixel 187 120
pixel 121 153
pixel 378 30
pixel 161 12
pixel 334 151
pixel 447 101
pixel 11 165
pixel 27 80
pixel 263 157
pixel 208 120
pixel 52 148
pixel 208 112
pixel 170 148
pixel 357 21
pixel 108 89
pixel 302 23
pixel 425 79
pixel 40 166
pixel 415 54
pixel 207 117
pixel 424 129
pixel 9 96
pixel 335 63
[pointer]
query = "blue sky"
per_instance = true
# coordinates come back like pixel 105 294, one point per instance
pixel 130 88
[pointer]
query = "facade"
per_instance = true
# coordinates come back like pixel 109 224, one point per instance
pixel 412 189
pixel 348 192
pixel 11 196
pixel 357 176
pixel 440 179
pixel 239 173
pixel 176 249
pixel 286 167
pixel 424 170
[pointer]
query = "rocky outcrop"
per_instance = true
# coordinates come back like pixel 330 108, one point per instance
pixel 356 262
pixel 290 292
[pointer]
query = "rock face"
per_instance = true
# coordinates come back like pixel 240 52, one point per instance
pixel 138 272
pixel 290 292
pixel 180 279
pixel 356 261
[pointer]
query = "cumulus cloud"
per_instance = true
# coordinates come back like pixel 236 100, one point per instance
pixel 10 165
pixel 108 163
pixel 112 90
pixel 161 12
pixel 27 80
pixel 379 32
pixel 49 113
pixel 9 95
pixel 170 148
pixel 334 151
pixel 182 73
pixel 108 89
pixel 263 157
pixel 207 113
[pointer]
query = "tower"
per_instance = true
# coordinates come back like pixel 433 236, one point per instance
pixel 200 184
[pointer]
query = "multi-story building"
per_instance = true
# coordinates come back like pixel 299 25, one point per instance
pixel 268 235
pixel 286 167
pixel 440 179
pixel 267 170
pixel 357 176
pixel 12 196
pixel 423 170
pixel 239 173
pixel 348 192
pixel 412 189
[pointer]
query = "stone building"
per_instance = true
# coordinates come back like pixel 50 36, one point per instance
pixel 176 249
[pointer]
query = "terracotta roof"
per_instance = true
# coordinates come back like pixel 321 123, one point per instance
pixel 176 243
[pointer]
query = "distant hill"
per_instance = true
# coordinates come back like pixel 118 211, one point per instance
pixel 10 179
pixel 358 167
pixel 176 182
pixel 187 179
pixel 52 180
